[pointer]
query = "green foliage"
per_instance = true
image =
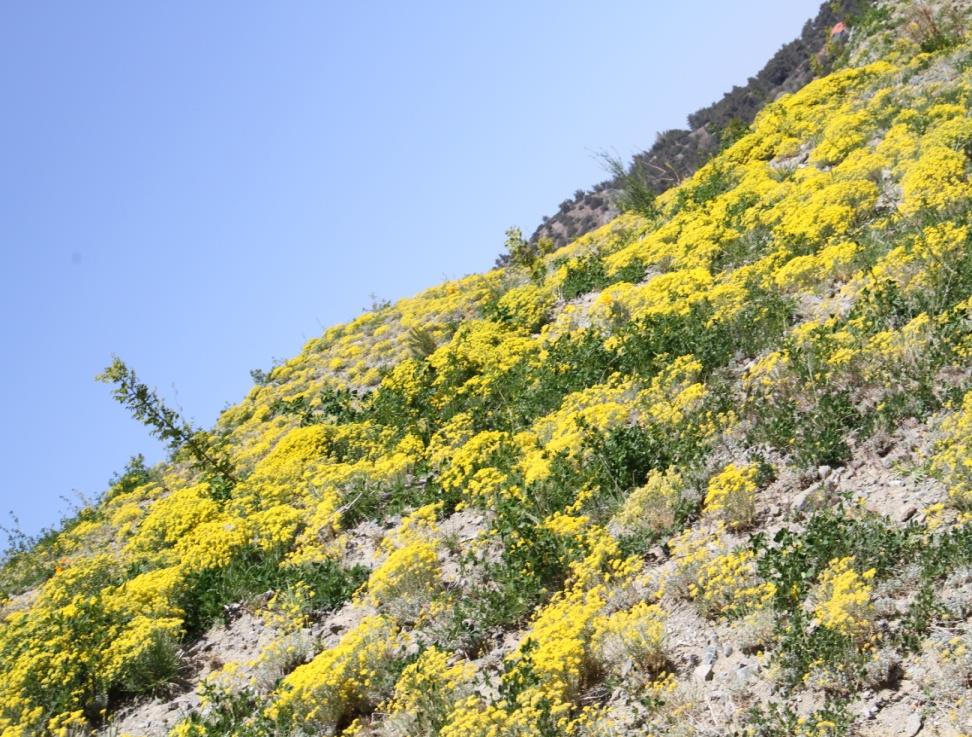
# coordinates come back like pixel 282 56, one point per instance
pixel 253 572
pixel 29 560
pixel 816 433
pixel 230 714
pixel 534 563
pixel 634 272
pixel 517 248
pixel 421 343
pixel 573 362
pixel 155 669
pixel 519 677
pixel 732 132
pixel 935 27
pixel 523 254
pixel 259 376
pixel 334 405
pixel 716 182
pixel 793 561
pixel 584 275
pixel 941 555
pixel 742 250
pixel 135 474
pixel 781 720
pixel 636 192
pixel 166 424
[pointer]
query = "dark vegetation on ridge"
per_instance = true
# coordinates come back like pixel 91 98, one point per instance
pixel 678 153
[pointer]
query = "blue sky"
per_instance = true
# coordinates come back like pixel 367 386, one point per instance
pixel 202 187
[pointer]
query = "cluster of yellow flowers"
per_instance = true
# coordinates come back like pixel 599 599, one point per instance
pixel 731 495
pixel 844 598
pixel 635 637
pixel 720 579
pixel 403 583
pixel 651 508
pixel 341 681
pixel 953 457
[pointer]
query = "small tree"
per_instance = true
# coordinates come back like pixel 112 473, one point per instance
pixel 637 194
pixel 519 250
pixel 421 343
pixel 169 426
pixel 135 474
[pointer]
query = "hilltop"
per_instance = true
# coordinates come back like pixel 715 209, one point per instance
pixel 676 154
pixel 704 470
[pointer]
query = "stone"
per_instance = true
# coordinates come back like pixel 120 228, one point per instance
pixel 702 673
pixel 745 673
pixel 907 512
pixel 912 725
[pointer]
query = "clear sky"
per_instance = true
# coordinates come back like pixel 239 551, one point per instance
pixel 202 187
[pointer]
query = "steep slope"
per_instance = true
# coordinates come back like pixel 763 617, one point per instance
pixel 702 474
pixel 676 154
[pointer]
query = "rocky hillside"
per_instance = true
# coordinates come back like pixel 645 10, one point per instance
pixel 708 473
pixel 676 154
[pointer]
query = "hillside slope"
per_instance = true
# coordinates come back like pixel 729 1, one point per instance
pixel 705 474
pixel 676 154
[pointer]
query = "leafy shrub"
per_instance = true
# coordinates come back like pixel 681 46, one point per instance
pixel 584 275
pixel 731 495
pixel 637 193
pixel 633 637
pixel 253 572
pixel 205 449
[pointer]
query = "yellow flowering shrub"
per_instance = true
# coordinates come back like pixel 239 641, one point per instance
pixel 665 294
pixel 650 508
pixel 828 209
pixel 340 681
pixel 405 579
pixel 477 359
pixel 718 578
pixel 632 637
pixel 134 657
pixel 527 306
pixel 600 408
pixel 426 692
pixel 832 262
pixel 172 517
pixel 476 456
pixel 953 453
pixel 214 544
pixel 320 538
pixel 936 181
pixel 844 598
pixel 843 134
pixel 731 495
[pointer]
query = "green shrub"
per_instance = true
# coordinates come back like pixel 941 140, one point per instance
pixel 635 191
pixel 584 275
pixel 205 449
pixel 253 572
pixel 793 562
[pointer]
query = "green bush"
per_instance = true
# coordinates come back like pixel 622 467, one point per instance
pixel 584 275
pixel 253 572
